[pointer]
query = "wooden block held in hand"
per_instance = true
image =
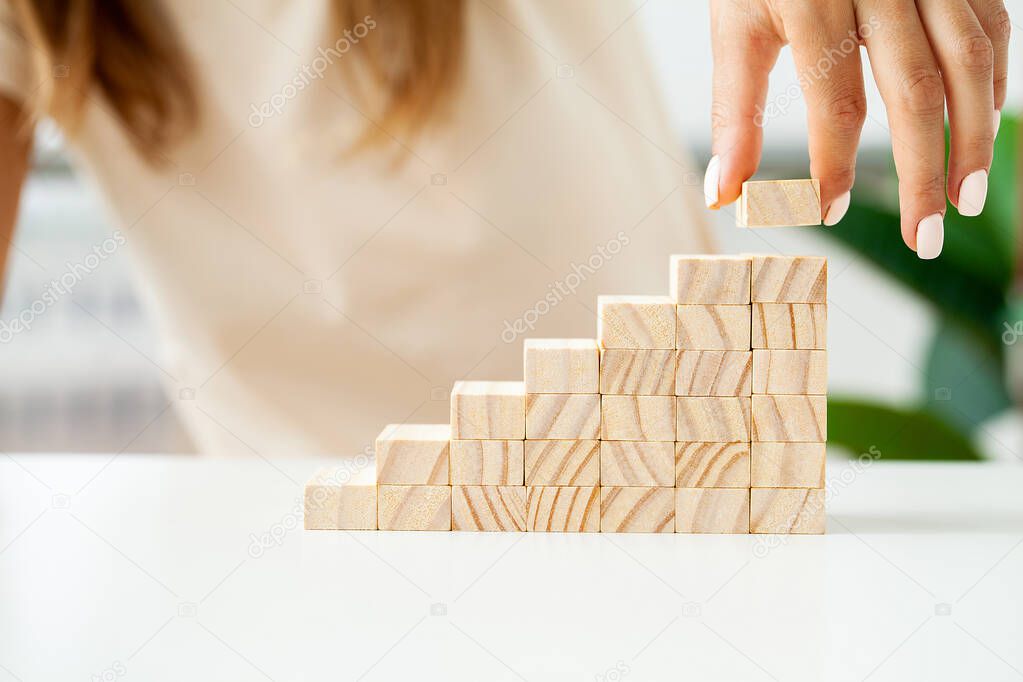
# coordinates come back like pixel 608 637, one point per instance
pixel 565 509
pixel 562 462
pixel 561 366
pixel 636 322
pixel 713 420
pixel 488 507
pixel 787 465
pixel 712 465
pixel 714 373
pixel 338 498
pixel 787 510
pixel 710 279
pixel 487 462
pixel 488 410
pixel 637 463
pixel 795 326
pixel 637 417
pixel 790 418
pixel 413 454
pixel 779 203
pixel 562 415
pixel 791 372
pixel 712 510
pixel 637 510
pixel 414 507
pixel 790 279
pixel 626 371
pixel 714 327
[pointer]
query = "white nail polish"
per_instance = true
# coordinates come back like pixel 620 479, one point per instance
pixel 837 209
pixel 973 193
pixel 930 236
pixel 711 180
pixel 998 121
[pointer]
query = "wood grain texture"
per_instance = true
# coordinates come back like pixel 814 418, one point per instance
pixel 787 465
pixel 637 371
pixel 779 203
pixel 563 509
pixel 413 454
pixel 787 510
pixel 794 326
pixel 714 373
pixel 562 462
pixel 637 417
pixel 338 498
pixel 790 418
pixel 712 465
pixel 713 327
pixel 488 507
pixel 561 366
pixel 488 410
pixel 790 279
pixel 487 462
pixel 637 510
pixel 637 463
pixel 790 372
pixel 636 322
pixel 710 279
pixel 712 510
pixel 562 415
pixel 714 420
pixel 414 507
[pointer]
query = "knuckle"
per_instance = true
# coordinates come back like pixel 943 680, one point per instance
pixel 974 53
pixel 923 93
pixel 719 117
pixel 927 186
pixel 846 111
pixel 999 25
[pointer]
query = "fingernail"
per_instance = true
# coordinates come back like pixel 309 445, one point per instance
pixel 930 236
pixel 998 121
pixel 710 182
pixel 973 193
pixel 837 209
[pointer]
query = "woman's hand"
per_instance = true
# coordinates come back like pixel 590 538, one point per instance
pixel 925 56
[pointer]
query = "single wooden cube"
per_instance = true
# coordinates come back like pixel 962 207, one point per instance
pixel 637 463
pixel 563 509
pixel 561 366
pixel 488 507
pixel 714 327
pixel 711 279
pixel 712 510
pixel 790 279
pixel 792 372
pixel 562 415
pixel 713 420
pixel 637 417
pixel 413 454
pixel 779 203
pixel 712 465
pixel 714 373
pixel 636 322
pixel 787 465
pixel 790 326
pixel 487 462
pixel 338 498
pixel 562 462
pixel 414 507
pixel 790 418
pixel 626 371
pixel 488 410
pixel 787 510
pixel 637 510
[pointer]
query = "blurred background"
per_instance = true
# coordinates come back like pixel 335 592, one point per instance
pixel 922 354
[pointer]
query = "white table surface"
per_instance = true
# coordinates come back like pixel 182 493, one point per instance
pixel 150 568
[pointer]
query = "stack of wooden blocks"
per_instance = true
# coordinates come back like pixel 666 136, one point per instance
pixel 703 411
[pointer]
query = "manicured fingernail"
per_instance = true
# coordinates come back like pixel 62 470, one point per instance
pixel 973 193
pixel 998 121
pixel 710 182
pixel 836 211
pixel 930 236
